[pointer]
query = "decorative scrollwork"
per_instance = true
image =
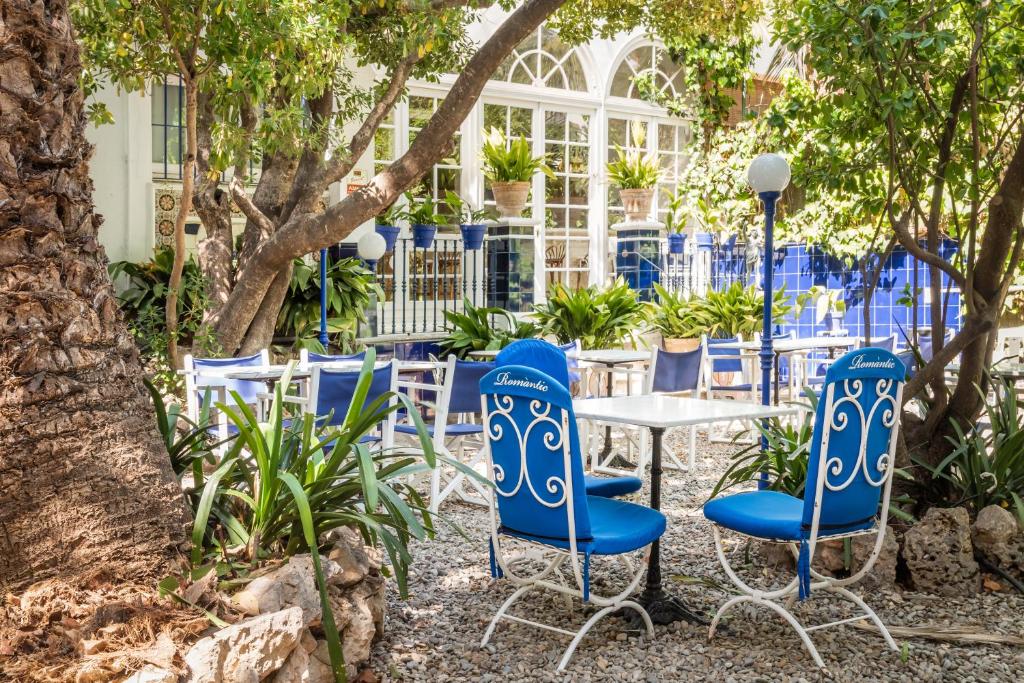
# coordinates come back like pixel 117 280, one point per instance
pixel 844 409
pixel 553 438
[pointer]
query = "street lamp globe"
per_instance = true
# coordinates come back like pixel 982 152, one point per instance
pixel 371 247
pixel 768 173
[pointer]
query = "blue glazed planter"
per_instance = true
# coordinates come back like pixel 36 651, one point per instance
pixel 676 243
pixel 423 235
pixel 473 236
pixel 705 240
pixel 390 235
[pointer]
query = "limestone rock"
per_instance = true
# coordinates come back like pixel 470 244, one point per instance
pixel 152 674
pixel 353 558
pixel 293 584
pixel 359 615
pixel 775 555
pixel 305 667
pixel 939 554
pixel 998 537
pixel 248 651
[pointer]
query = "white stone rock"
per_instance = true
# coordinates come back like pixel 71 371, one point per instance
pixel 152 674
pixel 939 554
pixel 293 584
pixel 246 652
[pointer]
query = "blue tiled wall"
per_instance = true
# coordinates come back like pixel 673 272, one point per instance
pixel 799 268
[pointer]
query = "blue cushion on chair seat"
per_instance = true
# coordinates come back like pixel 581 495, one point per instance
pixel 609 487
pixel 616 527
pixel 731 387
pixel 770 515
pixel 460 429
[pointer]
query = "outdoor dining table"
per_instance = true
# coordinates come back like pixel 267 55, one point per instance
pixel 659 412
pixel 792 346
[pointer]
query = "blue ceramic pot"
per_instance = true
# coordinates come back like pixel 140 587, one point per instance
pixel 423 235
pixel 676 242
pixel 705 240
pixel 473 236
pixel 390 235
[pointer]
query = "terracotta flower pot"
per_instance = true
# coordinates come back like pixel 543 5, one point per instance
pixel 511 197
pixel 680 345
pixel 637 203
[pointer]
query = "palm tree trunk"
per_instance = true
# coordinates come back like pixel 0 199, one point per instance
pixel 86 484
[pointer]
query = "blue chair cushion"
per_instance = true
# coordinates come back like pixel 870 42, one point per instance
pixel 731 387
pixel 770 515
pixel 609 487
pixel 460 429
pixel 616 527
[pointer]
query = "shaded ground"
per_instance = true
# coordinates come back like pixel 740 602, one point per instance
pixel 435 635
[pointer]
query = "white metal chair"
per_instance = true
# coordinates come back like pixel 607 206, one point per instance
pixel 204 375
pixel 849 480
pixel 539 502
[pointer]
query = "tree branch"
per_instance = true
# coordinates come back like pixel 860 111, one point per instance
pixel 247 207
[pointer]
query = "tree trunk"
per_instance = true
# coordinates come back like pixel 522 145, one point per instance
pixel 86 483
pixel 261 331
pixel 214 210
pixel 188 173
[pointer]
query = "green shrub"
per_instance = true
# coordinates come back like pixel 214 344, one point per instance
pixel 633 171
pixel 349 292
pixel 737 310
pixel 474 330
pixel 505 161
pixel 599 318
pixel 986 466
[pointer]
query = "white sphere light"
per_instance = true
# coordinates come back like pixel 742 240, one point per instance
pixel 768 173
pixel 371 246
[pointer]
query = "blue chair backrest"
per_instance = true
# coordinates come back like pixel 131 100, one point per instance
pixel 854 438
pixel 328 358
pixel 678 371
pixel 537 354
pixel 335 389
pixel 248 390
pixel 733 364
pixel 927 349
pixel 885 343
pixel 534 449
pixel 465 394
pixel 571 362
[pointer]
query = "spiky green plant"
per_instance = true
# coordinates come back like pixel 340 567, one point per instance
pixel 480 328
pixel 600 318
pixel 507 161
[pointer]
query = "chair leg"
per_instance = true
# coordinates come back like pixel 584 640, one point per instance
pixel 597 617
pixel 692 457
pixel 857 600
pixel 523 590
pixel 781 611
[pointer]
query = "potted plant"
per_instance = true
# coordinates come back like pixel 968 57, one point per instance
pixel 708 222
pixel 601 318
pixel 424 219
pixel 675 223
pixel 470 220
pixel 510 167
pixel 636 176
pixel 678 318
pixel 387 226
pixel 829 307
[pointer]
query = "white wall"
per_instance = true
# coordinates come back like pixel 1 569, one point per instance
pixel 122 176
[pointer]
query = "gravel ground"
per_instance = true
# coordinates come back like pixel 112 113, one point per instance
pixel 435 634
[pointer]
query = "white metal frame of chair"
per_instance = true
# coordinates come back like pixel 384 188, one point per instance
pixel 193 386
pixel 820 582
pixel 808 365
pixel 550 576
pixel 443 391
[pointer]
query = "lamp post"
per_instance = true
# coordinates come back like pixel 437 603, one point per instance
pixel 768 176
pixel 371 248
pixel 323 298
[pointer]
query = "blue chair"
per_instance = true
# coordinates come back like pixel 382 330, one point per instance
pixel 205 375
pixel 849 480
pixel 727 361
pixel 331 393
pixel 539 500
pixel 572 360
pixel 551 360
pixel 884 343
pixel 678 373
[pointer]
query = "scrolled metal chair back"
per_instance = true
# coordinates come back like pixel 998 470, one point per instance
pixel 534 455
pixel 851 462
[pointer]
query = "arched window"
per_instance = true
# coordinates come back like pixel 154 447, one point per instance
pixel 543 60
pixel 651 64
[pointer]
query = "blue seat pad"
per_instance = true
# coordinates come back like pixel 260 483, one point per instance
pixel 616 527
pixel 460 429
pixel 731 387
pixel 609 487
pixel 768 515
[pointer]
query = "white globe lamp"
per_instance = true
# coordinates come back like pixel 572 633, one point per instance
pixel 371 248
pixel 768 173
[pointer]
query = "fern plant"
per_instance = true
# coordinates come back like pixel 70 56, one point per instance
pixel 599 318
pixel 508 162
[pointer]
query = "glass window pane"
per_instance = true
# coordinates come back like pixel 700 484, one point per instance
pixel 666 138
pixel 158 145
pixel 579 128
pixel 552 44
pixel 521 75
pixel 554 190
pixel 556 157
pixel 573 69
pixel 174 102
pixel 420 109
pixel 384 144
pixel 579 191
pixel 616 132
pixel 158 105
pixel 521 122
pixel 495 117
pixel 554 125
pixel 578 218
pixel 447 179
pixel 579 156
pixel 555 80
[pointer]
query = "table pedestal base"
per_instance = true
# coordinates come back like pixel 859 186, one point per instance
pixel 665 609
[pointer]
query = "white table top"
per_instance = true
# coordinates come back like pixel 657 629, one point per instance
pixel 790 345
pixel 663 411
pixel 274 372
pixel 613 356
